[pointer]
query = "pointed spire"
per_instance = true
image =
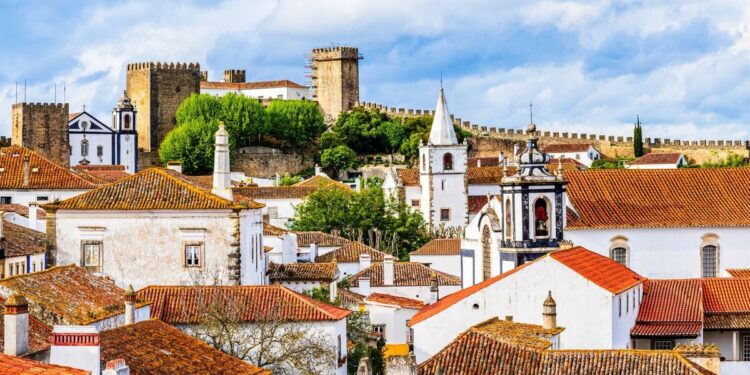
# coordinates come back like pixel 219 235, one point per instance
pixel 442 132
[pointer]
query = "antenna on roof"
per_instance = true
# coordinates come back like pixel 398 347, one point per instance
pixel 16 92
pixel 441 80
pixel 24 91
pixel 531 112
pixel 65 96
pixel 55 92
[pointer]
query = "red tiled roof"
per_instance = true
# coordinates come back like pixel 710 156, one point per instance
pixel 476 202
pixel 658 158
pixel 250 85
pixel 440 246
pixel 350 253
pixel 319 181
pixel 659 198
pixel 21 241
pixel 304 239
pixel 272 230
pixel 404 274
pixel 670 308
pixel 103 173
pixel 151 189
pixel 739 272
pixel 155 347
pixel 389 299
pixel 726 295
pixel 69 295
pixel 21 366
pixel 409 176
pixel 274 192
pixel 600 270
pixel 43 173
pixel 484 175
pixel 349 298
pixel 185 304
pixel 302 272
pixel 558 148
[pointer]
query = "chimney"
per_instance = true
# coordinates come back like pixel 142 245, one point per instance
pixel 388 270
pixel 116 367
pixel 130 305
pixel 479 162
pixel 32 216
pixel 318 170
pixel 75 346
pixel 277 181
pixel 549 312
pixel 364 261
pixel 222 184
pixel 26 170
pixel 333 287
pixel 313 252
pixel 434 288
pixel 364 286
pixel 509 318
pixel 704 355
pixel 16 326
pixel 175 165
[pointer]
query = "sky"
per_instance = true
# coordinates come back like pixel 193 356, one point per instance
pixel 589 66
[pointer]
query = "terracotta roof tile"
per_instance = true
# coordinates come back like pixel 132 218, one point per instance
pixel 184 304
pixel 154 347
pixel 21 366
pixel 726 295
pixel 272 230
pixel 22 210
pixel 739 272
pixel 21 241
pixel 600 270
pixel 250 85
pixel 389 299
pixel 484 175
pixel 409 176
pixel 670 308
pixel 350 253
pixel 441 246
pixel 659 198
pixel 319 181
pixel 732 321
pixel 349 298
pixel 476 202
pixel 43 173
pixel 303 272
pixel 151 189
pixel 104 174
pixel 404 274
pixel 557 148
pixel 304 239
pixel 274 192
pixel 68 295
pixel 658 158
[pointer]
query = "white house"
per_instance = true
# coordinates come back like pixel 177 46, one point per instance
pixel 317 243
pixel 303 277
pixel 584 153
pixel 663 160
pixel 93 142
pixel 23 249
pixel 26 177
pixel 389 316
pixel 597 302
pixel 182 307
pixel 282 243
pixel 281 89
pixel 351 258
pixel 157 227
pixel 441 254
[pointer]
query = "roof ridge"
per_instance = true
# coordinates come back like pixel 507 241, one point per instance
pixel 194 188
pixel 307 300
pixel 48 270
pixel 54 164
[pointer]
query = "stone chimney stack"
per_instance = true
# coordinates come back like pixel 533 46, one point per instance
pixel 175 165
pixel 33 215
pixel 16 326
pixel 222 175
pixel 130 305
pixel 76 346
pixel 364 286
pixel 26 170
pixel 116 367
pixel 434 288
pixel 388 270
pixel 549 312
pixel 364 261
pixel 313 252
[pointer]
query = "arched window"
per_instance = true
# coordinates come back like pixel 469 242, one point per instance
pixel 447 161
pixel 710 256
pixel 541 218
pixel 486 254
pixel 126 121
pixel 619 251
pixel 508 221
pixel 84 148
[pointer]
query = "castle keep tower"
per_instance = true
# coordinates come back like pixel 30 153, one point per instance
pixel 157 89
pixel 234 75
pixel 335 79
pixel 42 127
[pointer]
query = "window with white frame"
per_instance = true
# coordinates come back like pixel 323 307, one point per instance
pixel 379 328
pixel 91 255
pixel 619 250
pixel 194 254
pixel 620 255
pixel 709 261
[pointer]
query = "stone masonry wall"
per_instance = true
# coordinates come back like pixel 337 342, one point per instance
pixel 335 75
pixel 42 127
pixel 254 165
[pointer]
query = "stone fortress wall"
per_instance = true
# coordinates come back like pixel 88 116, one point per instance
pixel 490 141
pixel 42 127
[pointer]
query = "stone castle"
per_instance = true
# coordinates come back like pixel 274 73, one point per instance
pixel 335 79
pixel 42 127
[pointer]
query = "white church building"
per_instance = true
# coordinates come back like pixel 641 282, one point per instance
pixel 94 143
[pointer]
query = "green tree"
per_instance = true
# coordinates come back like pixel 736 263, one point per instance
pixel 338 158
pixel 193 144
pixel 731 160
pixel 330 140
pixel 393 135
pixel 296 123
pixel 637 138
pixel 288 180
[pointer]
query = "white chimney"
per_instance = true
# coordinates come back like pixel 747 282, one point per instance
pixel 364 286
pixel 16 326
pixel 222 176
pixel 32 215
pixel 364 261
pixel 277 181
pixel 116 367
pixel 175 165
pixel 313 252
pixel 318 170
pixel 479 162
pixel 130 305
pixel 76 346
pixel 388 270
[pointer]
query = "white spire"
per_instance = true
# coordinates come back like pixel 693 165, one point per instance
pixel 222 182
pixel 442 132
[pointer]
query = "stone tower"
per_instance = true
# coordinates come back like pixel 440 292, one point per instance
pixel 335 79
pixel 157 89
pixel 234 75
pixel 42 127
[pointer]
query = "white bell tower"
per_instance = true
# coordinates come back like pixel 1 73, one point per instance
pixel 442 173
pixel 126 136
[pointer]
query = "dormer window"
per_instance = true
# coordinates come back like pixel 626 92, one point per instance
pixel 448 162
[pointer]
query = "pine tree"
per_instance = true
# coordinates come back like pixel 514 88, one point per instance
pixel 638 138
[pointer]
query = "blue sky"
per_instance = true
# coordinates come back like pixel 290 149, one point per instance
pixel 683 66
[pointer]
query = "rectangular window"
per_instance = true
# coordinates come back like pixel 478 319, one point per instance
pixel 280 96
pixel 619 306
pixel 746 347
pixel 709 261
pixel 445 214
pixel 415 202
pixel 6 200
pixel 442 184
pixel 42 198
pixel 99 151
pixel 379 328
pixel 194 254
pixel 662 344
pixel 273 212
pixel 91 257
pixel 409 333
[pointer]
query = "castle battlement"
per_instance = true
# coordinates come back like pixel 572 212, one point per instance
pixel 163 65
pixel 340 52
pixel 38 105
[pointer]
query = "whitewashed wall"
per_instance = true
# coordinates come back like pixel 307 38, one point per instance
pixel 450 264
pixel 285 209
pixel 416 292
pixel 27 196
pixel 394 318
pixel 290 93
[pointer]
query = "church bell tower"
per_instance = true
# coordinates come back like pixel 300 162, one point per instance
pixel 126 137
